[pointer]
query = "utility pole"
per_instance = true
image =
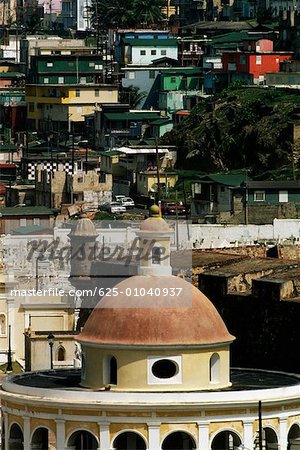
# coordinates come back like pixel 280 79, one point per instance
pixel 260 428
pixel 157 172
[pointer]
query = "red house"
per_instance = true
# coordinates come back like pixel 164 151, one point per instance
pixel 255 58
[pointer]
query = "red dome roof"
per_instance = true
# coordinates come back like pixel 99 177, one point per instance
pixel 150 320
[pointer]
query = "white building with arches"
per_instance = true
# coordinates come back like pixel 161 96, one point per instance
pixel 155 376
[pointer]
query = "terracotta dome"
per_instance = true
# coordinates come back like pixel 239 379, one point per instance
pixel 155 224
pixel 150 320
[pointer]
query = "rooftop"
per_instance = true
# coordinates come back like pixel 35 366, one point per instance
pixel 26 211
pixel 242 379
pixel 168 42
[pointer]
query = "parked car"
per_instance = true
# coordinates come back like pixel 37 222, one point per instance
pixel 113 207
pixel 127 202
pixel 118 198
pixel 172 208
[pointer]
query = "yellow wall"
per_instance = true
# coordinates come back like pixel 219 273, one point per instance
pixel 133 368
pixel 146 181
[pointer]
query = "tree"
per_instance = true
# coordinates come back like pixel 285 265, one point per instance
pixel 244 128
pixel 132 95
pixel 149 11
pixel 125 13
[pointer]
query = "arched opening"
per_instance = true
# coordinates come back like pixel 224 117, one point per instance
pixel 82 440
pixel 113 371
pixel 178 440
pixel 83 366
pixel 129 441
pixel 15 441
pixel 157 255
pixel 42 439
pixel 2 324
pixel 226 440
pixel 294 437
pixel 270 438
pixel 61 354
pixel 214 368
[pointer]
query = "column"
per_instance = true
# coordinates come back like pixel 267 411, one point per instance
pixel 6 435
pixel 248 434
pixel 154 436
pixel 26 432
pixel 60 433
pixel 104 436
pixel 203 435
pixel 283 442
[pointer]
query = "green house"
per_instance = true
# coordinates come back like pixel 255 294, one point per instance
pixel 66 69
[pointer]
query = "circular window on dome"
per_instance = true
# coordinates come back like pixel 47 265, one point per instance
pixel 164 368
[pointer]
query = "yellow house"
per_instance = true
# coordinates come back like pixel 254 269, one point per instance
pixel 147 181
pixel 155 375
pixel 63 106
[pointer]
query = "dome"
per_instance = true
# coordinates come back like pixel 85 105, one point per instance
pixel 155 320
pixel 155 223
pixel 83 227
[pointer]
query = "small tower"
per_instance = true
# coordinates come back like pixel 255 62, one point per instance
pixel 154 243
pixel 83 238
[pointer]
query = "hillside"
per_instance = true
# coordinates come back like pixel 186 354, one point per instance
pixel 240 128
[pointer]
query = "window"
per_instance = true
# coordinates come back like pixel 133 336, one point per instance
pixel 79 109
pixel 258 59
pixel 102 177
pixel 142 52
pixel 61 354
pixel 163 52
pixel 156 255
pixel 131 75
pixel 49 64
pixel 23 222
pixel 173 79
pixel 61 80
pixel 46 80
pixel 91 64
pixel 242 60
pixel 83 80
pixel 77 92
pixel 164 369
pixel 96 92
pixel 110 370
pixel 214 368
pixel 153 52
pixel 98 67
pixel 80 179
pixel 113 371
pixel 2 325
pixel 151 74
pixel 283 196
pixel 36 221
pixel 83 366
pixel 259 196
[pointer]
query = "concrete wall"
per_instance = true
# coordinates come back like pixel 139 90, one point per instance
pixel 145 60
pixel 216 236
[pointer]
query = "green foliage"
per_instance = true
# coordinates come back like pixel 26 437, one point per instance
pixel 125 13
pixel 239 128
pixel 131 95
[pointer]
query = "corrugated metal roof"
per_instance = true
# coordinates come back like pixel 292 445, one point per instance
pixel 235 179
pixel 274 184
pixel 150 42
pixel 26 211
pixel 132 116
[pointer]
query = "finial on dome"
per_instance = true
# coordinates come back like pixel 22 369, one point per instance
pixel 154 211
